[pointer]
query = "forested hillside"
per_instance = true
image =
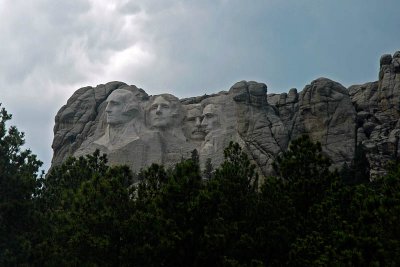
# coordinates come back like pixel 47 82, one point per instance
pixel 85 213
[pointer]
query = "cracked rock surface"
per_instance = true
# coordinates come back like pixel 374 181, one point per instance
pixel 164 129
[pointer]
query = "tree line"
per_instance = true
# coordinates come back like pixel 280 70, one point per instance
pixel 86 213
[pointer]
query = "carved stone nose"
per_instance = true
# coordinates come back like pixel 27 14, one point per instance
pixel 198 121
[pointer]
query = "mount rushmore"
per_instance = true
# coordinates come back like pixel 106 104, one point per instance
pixel 137 129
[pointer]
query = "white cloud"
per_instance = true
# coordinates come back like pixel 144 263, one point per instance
pixel 125 62
pixel 49 49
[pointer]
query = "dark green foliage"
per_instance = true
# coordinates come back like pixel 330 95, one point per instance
pixel 163 231
pixel 86 208
pixel 18 186
pixel 228 201
pixel 306 171
pixel 85 213
pixel 360 165
pixel 296 222
pixel 276 224
pixel 321 220
pixel 358 171
pixel 100 218
pixel 195 156
pixel 208 169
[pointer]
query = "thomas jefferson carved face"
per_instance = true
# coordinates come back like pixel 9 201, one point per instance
pixel 162 112
pixel 122 106
pixel 210 118
pixel 193 127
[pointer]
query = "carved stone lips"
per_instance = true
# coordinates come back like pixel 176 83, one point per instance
pixel 199 133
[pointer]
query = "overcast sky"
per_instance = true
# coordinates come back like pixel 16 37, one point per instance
pixel 50 48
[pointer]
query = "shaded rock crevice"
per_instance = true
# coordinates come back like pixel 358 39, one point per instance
pixel 264 124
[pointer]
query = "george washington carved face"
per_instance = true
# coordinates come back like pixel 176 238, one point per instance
pixel 122 106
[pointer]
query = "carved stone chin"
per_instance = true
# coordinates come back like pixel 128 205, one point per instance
pixel 115 139
pixel 198 134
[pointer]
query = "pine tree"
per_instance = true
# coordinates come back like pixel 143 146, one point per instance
pixel 19 183
pixel 228 202
pixel 308 189
pixel 195 156
pixel 208 169
pixel 306 170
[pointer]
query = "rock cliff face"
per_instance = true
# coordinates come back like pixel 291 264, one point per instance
pixel 137 129
pixel 378 111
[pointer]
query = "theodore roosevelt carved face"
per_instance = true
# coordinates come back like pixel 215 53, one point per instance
pixel 164 111
pixel 122 106
pixel 192 126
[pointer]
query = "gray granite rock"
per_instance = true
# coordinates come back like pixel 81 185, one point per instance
pixel 378 107
pixel 326 114
pixel 136 129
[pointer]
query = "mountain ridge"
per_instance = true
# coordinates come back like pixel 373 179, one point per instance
pixel 263 124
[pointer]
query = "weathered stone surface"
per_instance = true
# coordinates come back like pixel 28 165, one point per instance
pixel 258 124
pixel 79 118
pixel 136 129
pixel 378 112
pixel 327 115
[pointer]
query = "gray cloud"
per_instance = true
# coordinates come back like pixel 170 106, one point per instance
pixel 49 48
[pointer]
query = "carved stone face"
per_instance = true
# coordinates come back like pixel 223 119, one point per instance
pixel 193 127
pixel 122 106
pixel 210 120
pixel 161 113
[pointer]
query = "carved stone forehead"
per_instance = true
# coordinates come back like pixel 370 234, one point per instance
pixel 167 99
pixel 160 100
pixel 194 110
pixel 120 94
pixel 211 108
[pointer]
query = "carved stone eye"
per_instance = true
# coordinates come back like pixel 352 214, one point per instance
pixel 164 106
pixel 114 103
pixel 209 115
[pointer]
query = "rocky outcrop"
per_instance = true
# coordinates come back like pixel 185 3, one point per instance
pixel 326 114
pixel 136 129
pixel 80 119
pixel 378 111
